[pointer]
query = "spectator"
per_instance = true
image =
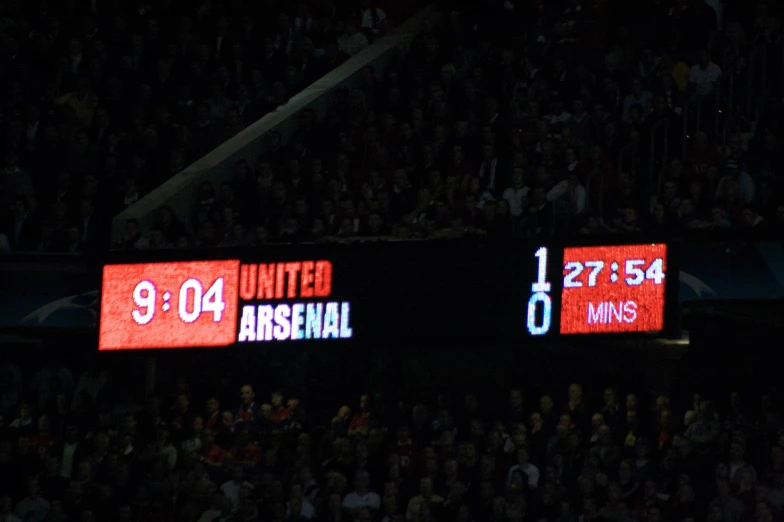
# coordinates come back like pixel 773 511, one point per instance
pixel 456 477
pixel 426 497
pixel 704 75
pixel 165 449
pixel 359 422
pixel 638 97
pixel 529 472
pixel 394 177
pixel 6 509
pixel 733 175
pixel 248 410
pixel 279 413
pixel 20 227
pixel 372 18
pixel 362 498
pixel 23 424
pixel 236 489
pixel 352 41
pixel 32 508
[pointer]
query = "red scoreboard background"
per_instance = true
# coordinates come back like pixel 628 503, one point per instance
pixel 613 289
pixel 175 305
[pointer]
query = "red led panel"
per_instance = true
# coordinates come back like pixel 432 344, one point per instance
pixel 169 305
pixel 613 289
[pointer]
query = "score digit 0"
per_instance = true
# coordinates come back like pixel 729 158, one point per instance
pixel 540 294
pixel 144 295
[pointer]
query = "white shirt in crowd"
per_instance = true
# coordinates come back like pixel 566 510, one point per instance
pixel 516 199
pixel 32 509
pixel 307 512
pixel 169 455
pixel 555 119
pixel 776 498
pixel 530 471
pixel 67 462
pixel 233 491
pixel 643 99
pixel 415 505
pixel 485 198
pixel 367 18
pixel 562 189
pixel 704 78
pixel 352 44
pixel 747 191
pixel 358 500
pixel 21 423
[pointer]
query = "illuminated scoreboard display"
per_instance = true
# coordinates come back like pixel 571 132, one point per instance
pixel 535 292
pixel 617 289
pixel 218 303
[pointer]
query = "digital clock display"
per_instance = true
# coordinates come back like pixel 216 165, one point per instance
pixel 218 303
pixel 614 289
pixel 181 304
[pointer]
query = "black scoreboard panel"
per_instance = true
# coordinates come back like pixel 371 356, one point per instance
pixel 420 290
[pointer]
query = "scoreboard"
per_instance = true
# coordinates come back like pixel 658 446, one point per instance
pixel 613 289
pixel 604 289
pixel 391 292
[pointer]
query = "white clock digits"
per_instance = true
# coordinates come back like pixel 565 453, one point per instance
pixel 144 297
pixel 211 301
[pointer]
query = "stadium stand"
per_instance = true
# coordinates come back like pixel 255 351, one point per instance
pixel 105 100
pixel 531 118
pixel 511 118
pixel 324 439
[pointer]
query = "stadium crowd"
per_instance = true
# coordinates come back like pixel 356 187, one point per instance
pixel 103 100
pixel 87 448
pixel 514 128
pixel 505 119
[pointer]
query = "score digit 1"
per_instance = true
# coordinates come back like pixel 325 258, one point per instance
pixel 540 294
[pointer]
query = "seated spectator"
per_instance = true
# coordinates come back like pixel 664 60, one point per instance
pixel 212 413
pixel 221 508
pixel 352 41
pixel 210 454
pixel 248 410
pixel 244 451
pixel 23 424
pixel 280 413
pixel 194 441
pixel 426 500
pixel 704 75
pixel 236 489
pixel 165 449
pixel 529 472
pixel 744 182
pixel 638 97
pixel 372 17
pixel 359 422
pixel 33 507
pixel 20 226
pixel 516 195
pixel 6 509
pixel 362 498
